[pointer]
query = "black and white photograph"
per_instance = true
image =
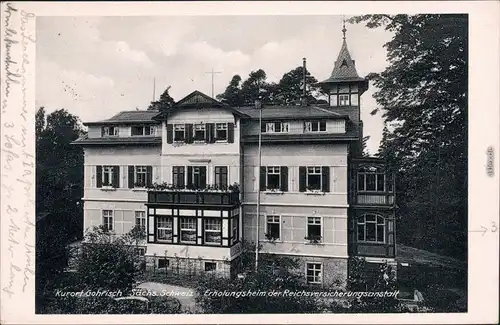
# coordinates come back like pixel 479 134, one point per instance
pixel 261 164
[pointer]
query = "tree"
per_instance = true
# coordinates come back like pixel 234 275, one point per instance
pixel 290 87
pixel 232 94
pixel 107 261
pixel 164 103
pixel 255 87
pixel 423 97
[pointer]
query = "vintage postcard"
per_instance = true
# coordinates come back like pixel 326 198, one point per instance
pixel 228 162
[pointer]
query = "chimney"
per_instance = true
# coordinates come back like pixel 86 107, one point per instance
pixel 304 91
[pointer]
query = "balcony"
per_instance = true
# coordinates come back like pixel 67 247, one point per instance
pixel 209 196
pixel 374 198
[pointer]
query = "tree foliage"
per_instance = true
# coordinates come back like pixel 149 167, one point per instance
pixel 423 96
pixel 165 102
pixel 288 91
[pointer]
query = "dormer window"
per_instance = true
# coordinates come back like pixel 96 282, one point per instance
pixel 141 130
pixel 275 127
pixel 109 131
pixel 315 126
pixel 221 132
pixel 199 132
pixel 179 132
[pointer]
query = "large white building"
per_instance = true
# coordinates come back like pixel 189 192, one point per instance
pixel 190 176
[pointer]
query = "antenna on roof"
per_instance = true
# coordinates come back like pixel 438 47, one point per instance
pixel 154 89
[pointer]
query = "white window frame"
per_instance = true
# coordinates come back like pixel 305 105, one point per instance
pixel 143 170
pixel 108 218
pixel 276 219
pixel 179 128
pixel 284 127
pixel 273 172
pixel 364 175
pixel 315 223
pixel 152 130
pixel 142 219
pixel 237 228
pixel 314 172
pixel 144 128
pixel 221 127
pixel 181 219
pixel 320 276
pixel 200 127
pixel 362 222
pixel 308 126
pixel 165 228
pixel 207 222
pixel 110 171
pixel 343 100
pixel 107 131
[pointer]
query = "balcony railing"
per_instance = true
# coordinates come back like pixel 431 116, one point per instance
pixel 383 198
pixel 207 196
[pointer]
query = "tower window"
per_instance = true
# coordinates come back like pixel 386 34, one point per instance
pixel 343 100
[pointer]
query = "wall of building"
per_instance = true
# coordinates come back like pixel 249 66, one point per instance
pixel 294 230
pixel 194 252
pixel 336 126
pixel 94 131
pixel 123 213
pixel 331 155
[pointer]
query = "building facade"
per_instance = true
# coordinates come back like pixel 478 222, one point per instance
pixel 191 177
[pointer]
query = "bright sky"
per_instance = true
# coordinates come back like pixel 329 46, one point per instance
pixel 97 66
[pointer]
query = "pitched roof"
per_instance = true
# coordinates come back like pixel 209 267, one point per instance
pixel 344 68
pixel 291 112
pixel 127 117
pixel 196 99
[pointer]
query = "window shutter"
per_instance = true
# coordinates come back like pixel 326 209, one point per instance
pixel 211 132
pixel 262 178
pixel 102 131
pixel 181 177
pixel 149 175
pixel 190 176
pixel 170 133
pixel 131 177
pixel 203 175
pixel 302 178
pixel 284 178
pixel 188 129
pixel 99 176
pixel 325 186
pixel 333 99
pixel 207 133
pixel 116 176
pixel 230 132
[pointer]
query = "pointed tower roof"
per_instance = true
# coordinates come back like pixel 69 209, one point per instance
pixel 344 68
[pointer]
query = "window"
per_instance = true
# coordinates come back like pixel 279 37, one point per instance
pixel 343 100
pixel 314 228
pixel 198 176
pixel 210 266
pixel 178 176
pixel 163 263
pixel 140 176
pixel 314 273
pixel 140 219
pixel 140 251
pixel 273 179
pixel 221 131
pixel 107 175
pixel 371 180
pixel 221 177
pixel 107 220
pixel 315 126
pixel 164 228
pixel 276 127
pixel 273 227
pixel 371 228
pixel 314 178
pixel 199 132
pixel 235 224
pixel 179 132
pixel 213 231
pixel 188 230
pixel 109 131
pixel 140 130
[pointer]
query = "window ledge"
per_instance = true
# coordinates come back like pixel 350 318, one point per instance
pixel 108 188
pixel 272 241
pixel 274 192
pixel 221 141
pixel 315 193
pixel 139 189
pixel 316 244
